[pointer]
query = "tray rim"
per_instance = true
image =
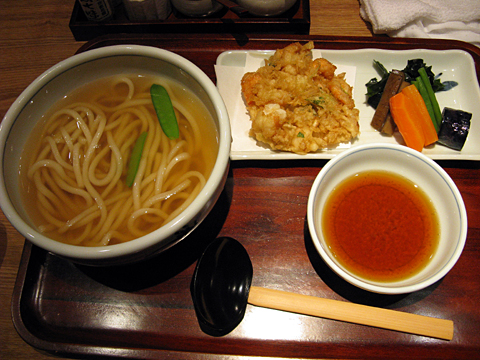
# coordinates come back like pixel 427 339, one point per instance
pixel 69 349
pixel 247 41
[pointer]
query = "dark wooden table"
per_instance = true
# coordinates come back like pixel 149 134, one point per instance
pixel 145 311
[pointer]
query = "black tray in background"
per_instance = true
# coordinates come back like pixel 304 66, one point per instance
pixel 294 21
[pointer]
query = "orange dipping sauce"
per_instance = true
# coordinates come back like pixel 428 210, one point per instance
pixel 380 226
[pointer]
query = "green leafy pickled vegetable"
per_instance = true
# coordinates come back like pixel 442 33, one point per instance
pixel 165 112
pixel 135 158
pixel 375 87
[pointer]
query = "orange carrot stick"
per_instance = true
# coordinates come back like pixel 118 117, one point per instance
pixel 402 109
pixel 422 115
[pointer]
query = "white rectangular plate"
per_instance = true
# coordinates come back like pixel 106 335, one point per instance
pixel 454 65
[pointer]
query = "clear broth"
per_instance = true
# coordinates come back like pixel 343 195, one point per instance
pixel 203 162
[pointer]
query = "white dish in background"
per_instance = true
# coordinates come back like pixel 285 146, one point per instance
pixel 266 7
pixel 454 65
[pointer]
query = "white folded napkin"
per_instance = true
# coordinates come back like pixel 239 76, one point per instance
pixel 442 19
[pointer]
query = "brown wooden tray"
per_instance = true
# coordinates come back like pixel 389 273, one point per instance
pixel 294 21
pixel 145 311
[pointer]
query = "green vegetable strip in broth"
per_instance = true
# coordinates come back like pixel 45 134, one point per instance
pixel 135 158
pixel 165 111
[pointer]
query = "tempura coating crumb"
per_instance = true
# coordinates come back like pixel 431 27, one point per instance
pixel 298 104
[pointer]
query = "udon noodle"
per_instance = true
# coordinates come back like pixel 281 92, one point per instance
pixel 75 174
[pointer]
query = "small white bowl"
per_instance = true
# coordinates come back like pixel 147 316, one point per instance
pixel 196 8
pixel 72 73
pixel 421 170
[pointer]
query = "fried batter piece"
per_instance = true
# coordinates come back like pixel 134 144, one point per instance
pixel 298 104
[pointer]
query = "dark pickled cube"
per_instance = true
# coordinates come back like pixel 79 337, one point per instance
pixel 455 126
